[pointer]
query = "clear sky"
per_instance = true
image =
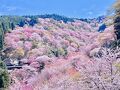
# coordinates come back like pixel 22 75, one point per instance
pixel 70 8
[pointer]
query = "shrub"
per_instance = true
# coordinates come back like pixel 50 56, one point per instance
pixel 59 52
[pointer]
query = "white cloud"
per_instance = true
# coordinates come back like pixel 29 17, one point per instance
pixel 10 8
pixel 90 13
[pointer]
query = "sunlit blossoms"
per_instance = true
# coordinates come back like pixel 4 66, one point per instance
pixel 54 55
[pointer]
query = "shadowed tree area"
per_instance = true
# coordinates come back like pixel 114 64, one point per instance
pixel 117 18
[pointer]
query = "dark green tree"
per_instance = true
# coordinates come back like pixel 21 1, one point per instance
pixel 1 38
pixel 4 76
pixel 117 18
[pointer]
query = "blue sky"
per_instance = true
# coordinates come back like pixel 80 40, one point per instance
pixel 70 8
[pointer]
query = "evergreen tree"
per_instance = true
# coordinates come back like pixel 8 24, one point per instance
pixel 4 76
pixel 117 18
pixel 1 38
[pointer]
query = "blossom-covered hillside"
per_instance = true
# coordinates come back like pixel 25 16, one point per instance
pixel 54 55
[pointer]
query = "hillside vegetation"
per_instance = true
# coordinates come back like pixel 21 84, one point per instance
pixel 63 56
pixel 52 52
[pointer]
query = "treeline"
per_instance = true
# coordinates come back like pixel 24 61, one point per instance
pixel 99 19
pixel 55 17
pixel 9 22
